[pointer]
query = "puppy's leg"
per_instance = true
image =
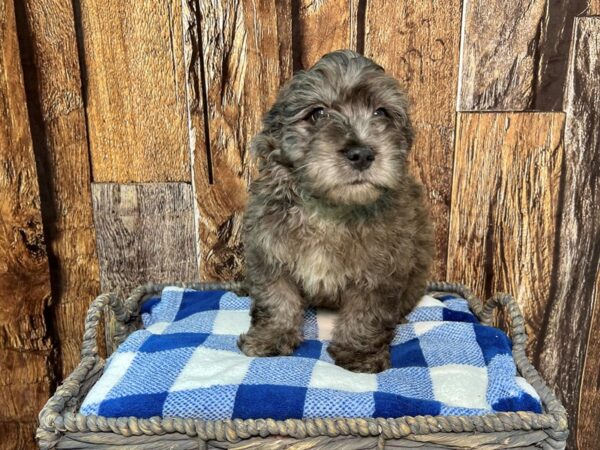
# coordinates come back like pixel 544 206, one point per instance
pixel 415 289
pixel 364 330
pixel 416 281
pixel 277 317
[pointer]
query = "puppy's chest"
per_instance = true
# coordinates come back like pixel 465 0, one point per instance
pixel 324 257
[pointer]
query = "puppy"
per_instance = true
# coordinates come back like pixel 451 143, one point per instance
pixel 334 219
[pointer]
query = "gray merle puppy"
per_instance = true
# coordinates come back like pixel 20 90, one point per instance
pixel 334 219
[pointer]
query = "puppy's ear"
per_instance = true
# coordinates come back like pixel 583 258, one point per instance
pixel 404 124
pixel 401 118
pixel 263 145
pixel 272 119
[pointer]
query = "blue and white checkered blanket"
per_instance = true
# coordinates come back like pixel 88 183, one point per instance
pixel 186 363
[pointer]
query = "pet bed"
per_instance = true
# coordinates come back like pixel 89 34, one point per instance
pixel 180 381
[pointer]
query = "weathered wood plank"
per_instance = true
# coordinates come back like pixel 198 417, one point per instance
pixel 552 53
pixel 245 59
pixel 53 84
pixel 498 54
pixel 418 43
pixel 145 233
pixel 322 26
pixel 589 398
pixel 136 90
pixel 561 355
pixel 26 355
pixel 505 194
pixel 18 436
pixel 515 54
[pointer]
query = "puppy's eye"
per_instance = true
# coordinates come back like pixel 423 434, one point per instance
pixel 318 114
pixel 380 112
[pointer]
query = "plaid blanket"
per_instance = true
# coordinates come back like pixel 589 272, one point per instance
pixel 186 363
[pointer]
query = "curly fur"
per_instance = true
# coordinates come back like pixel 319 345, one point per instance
pixel 319 232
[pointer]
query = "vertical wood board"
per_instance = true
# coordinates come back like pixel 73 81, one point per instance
pixel 418 43
pixel 136 102
pixel 245 59
pixel 58 125
pixel 552 53
pixel 323 26
pixel 145 233
pixel 505 193
pixel 515 54
pixel 561 356
pixel 18 436
pixel 589 391
pixel 26 352
pixel 498 54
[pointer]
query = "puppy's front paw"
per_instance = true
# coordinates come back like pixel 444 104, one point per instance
pixel 358 361
pixel 269 343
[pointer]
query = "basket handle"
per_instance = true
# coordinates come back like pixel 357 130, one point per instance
pixel 518 336
pixel 485 310
pixel 95 313
pixel 504 301
pixel 127 311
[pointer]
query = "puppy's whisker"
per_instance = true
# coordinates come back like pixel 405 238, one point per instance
pixel 301 167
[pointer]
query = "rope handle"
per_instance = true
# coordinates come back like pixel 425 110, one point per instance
pixel 518 335
pixel 485 310
pixel 127 311
pixel 95 313
pixel 139 294
pixel 504 301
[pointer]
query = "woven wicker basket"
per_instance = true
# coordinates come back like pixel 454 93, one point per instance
pixel 61 426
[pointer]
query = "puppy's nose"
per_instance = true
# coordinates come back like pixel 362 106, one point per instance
pixel 360 157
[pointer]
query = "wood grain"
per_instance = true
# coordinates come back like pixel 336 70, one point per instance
pixel 322 26
pixel 57 117
pixel 589 392
pixel 26 355
pixel 571 301
pixel 418 43
pixel 518 67
pixel 498 54
pixel 552 53
pixel 505 193
pixel 245 51
pixel 18 436
pixel 145 233
pixel 136 90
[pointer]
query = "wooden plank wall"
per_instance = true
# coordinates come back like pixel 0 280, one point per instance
pixel 574 294
pixel 505 193
pixel 58 126
pixel 246 56
pixel 126 135
pixel 26 344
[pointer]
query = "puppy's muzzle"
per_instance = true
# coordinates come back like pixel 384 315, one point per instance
pixel 360 157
